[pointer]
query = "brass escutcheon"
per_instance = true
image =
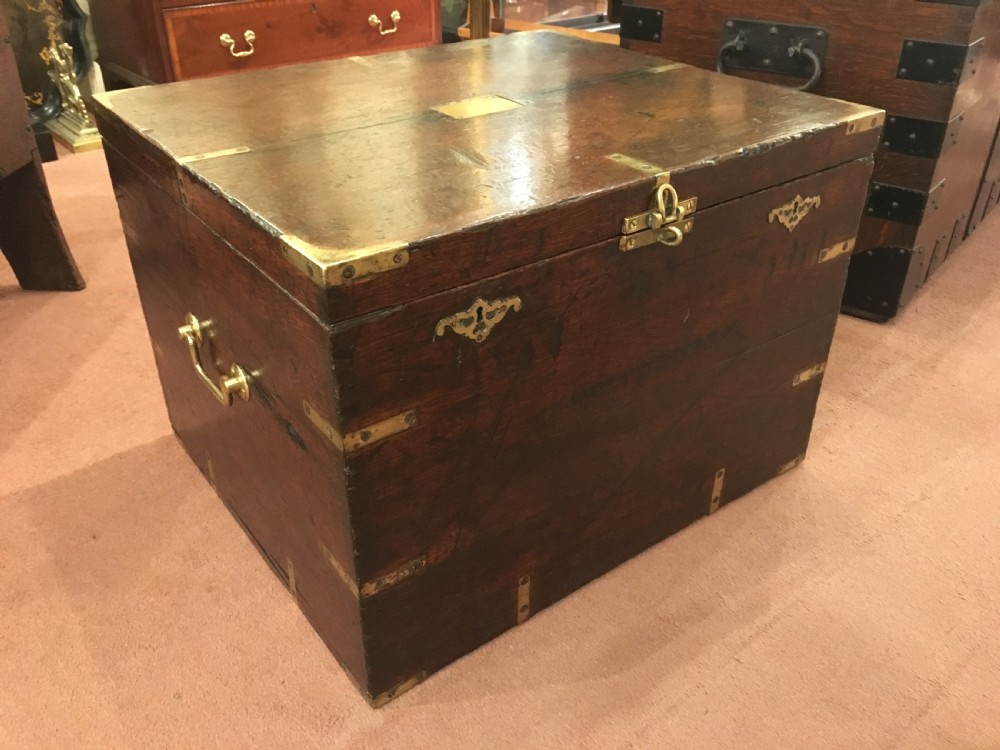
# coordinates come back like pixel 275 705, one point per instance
pixel 790 214
pixel 479 318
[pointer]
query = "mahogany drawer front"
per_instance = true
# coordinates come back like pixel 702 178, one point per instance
pixel 282 32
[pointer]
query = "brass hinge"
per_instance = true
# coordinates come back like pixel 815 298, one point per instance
pixel 667 221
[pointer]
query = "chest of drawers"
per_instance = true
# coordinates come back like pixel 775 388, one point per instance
pixel 142 41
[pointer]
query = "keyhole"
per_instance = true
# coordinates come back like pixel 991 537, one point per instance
pixel 479 314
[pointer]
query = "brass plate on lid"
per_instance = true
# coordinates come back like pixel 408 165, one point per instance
pixel 477 106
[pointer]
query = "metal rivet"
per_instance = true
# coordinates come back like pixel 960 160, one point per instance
pixel 523 581
pixel 397 258
pixel 366 435
pixel 773 30
pixel 902 71
pixel 349 272
pixel 730 24
pixel 524 608
pixel 411 419
pixel 310 268
pixel 767 61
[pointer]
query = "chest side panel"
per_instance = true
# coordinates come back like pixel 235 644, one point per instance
pixel 599 406
pixel 279 473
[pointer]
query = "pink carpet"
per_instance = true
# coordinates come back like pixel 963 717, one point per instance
pixel 853 603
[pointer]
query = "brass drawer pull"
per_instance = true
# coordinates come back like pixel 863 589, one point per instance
pixel 237 381
pixel 478 319
pixel 248 36
pixel 374 22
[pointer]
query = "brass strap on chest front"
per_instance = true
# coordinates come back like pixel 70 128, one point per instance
pixel 666 222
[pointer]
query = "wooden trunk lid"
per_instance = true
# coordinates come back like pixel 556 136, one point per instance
pixel 361 184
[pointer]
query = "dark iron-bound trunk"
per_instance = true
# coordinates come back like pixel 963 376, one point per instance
pixel 933 65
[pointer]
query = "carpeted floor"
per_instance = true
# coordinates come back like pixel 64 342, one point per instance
pixel 853 603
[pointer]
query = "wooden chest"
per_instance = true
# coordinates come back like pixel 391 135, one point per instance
pixel 488 318
pixel 933 65
pixel 153 41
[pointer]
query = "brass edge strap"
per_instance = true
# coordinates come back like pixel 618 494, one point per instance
pixel 323 426
pixel 382 698
pixel 364 437
pixel 329 267
pixel 291 578
pixel 784 468
pixel 379 431
pixel 865 122
pixel 806 375
pixel 523 598
pixel 341 573
pixel 835 251
pixel 213 154
pixel 413 567
pixel 720 478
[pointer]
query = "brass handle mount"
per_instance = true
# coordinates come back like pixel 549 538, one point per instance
pixel 376 23
pixel 237 382
pixel 248 36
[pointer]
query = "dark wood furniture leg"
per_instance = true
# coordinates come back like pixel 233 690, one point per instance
pixel 30 236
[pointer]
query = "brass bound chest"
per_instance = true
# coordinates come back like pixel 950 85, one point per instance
pixel 454 331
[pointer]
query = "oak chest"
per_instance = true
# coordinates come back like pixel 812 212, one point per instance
pixel 933 65
pixel 450 352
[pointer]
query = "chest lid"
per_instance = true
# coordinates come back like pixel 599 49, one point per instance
pixel 365 183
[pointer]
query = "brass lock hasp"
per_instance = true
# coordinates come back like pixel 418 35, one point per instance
pixel 666 222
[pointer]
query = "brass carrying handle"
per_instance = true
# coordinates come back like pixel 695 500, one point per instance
pixel 374 22
pixel 236 382
pixel 248 36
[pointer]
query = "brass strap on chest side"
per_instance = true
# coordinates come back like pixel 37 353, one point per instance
pixel 669 219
